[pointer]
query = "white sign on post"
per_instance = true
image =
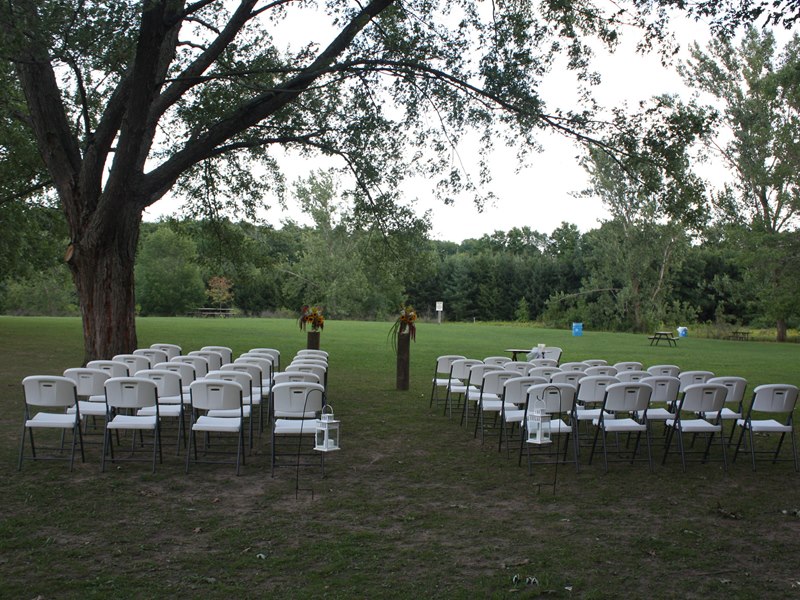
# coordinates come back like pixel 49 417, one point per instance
pixel 439 309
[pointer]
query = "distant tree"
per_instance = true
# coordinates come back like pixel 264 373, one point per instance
pixel 168 279
pixel 218 290
pixel 760 94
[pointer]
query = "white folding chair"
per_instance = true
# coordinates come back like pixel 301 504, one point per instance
pixel 215 395
pixel 214 358
pixel 670 370
pixel 171 398
pixel 628 365
pixel 698 399
pixel 125 395
pixel 441 376
pixel 769 400
pixel 296 406
pixel 53 395
pixel 274 353
pixel 628 403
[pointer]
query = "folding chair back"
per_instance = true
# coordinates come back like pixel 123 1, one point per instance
pixel 671 370
pixel 703 398
pixel 628 365
pixel 153 354
pixel 297 399
pixel 199 363
pixel 631 375
pixel 693 377
pixel 607 370
pixel 135 362
pixel 172 350
pixel 214 359
pixel 227 353
pixel 114 368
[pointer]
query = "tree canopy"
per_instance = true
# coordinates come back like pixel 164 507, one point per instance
pixel 131 99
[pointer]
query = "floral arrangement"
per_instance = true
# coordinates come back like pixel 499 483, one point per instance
pixel 406 323
pixel 311 316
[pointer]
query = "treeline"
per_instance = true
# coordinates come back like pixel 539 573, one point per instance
pixel 610 278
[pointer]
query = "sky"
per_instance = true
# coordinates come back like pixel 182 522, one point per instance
pixel 541 195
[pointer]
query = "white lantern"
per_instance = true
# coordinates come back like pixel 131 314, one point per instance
pixel 326 435
pixel 538 424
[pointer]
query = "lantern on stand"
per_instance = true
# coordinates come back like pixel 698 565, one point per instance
pixel 326 435
pixel 538 424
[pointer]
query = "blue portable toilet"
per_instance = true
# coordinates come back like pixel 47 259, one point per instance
pixel 577 329
pixel 683 332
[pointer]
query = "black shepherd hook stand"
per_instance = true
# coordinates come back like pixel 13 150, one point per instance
pixel 297 488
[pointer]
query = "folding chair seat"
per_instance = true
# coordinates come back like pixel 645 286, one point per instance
pixel 607 370
pixel 135 362
pixel 631 375
pixel 559 404
pixel 574 366
pixel 491 400
pixel 154 355
pixel 53 395
pixel 698 399
pixel 628 365
pixel 457 382
pixel 475 382
pixel 126 395
pixel 227 353
pixel 215 395
pixel 171 399
pixel 769 400
pixel 628 403
pixel 670 370
pixel 272 352
pixel 296 405
pixel 515 391
pixel 214 358
pixel 172 350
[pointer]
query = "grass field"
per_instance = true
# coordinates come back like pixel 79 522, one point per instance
pixel 412 507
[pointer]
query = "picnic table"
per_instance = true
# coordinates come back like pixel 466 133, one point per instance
pixel 739 335
pixel 207 311
pixel 515 352
pixel 663 336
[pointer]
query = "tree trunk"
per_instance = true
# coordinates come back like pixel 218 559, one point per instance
pixel 102 265
pixel 781 327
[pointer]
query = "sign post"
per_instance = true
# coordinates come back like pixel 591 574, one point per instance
pixel 439 309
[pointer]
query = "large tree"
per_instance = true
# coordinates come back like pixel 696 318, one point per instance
pixel 129 100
